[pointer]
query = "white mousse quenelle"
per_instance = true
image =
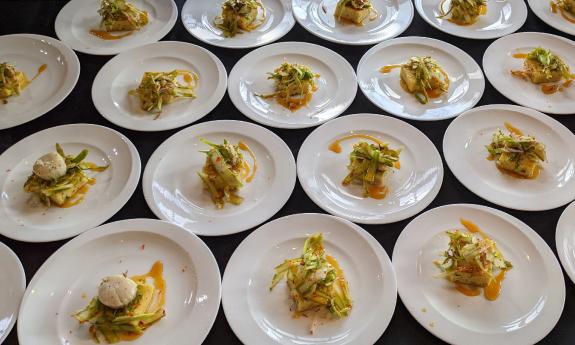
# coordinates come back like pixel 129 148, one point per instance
pixel 50 166
pixel 117 291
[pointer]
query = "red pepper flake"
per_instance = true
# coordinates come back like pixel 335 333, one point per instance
pixel 142 247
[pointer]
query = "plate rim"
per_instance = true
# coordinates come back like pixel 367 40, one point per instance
pixel 377 248
pixel 279 46
pixel 551 23
pixel 114 118
pixel 529 112
pixel 560 233
pixel 539 243
pixel 416 208
pixel 288 17
pixel 70 81
pixel 163 32
pixel 329 38
pixel 154 160
pixel 520 3
pixel 510 96
pixel 425 41
pixel 148 225
pixel 121 199
pixel 21 288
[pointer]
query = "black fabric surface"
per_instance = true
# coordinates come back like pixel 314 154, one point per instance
pixel 23 16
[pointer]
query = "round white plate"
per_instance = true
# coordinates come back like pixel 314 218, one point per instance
pixel 502 18
pixel 23 219
pixel 198 18
pixel 411 188
pixel 317 17
pixel 69 279
pixel 565 240
pixel 175 193
pixel 498 62
pixel 532 294
pixel 27 53
pixel 542 9
pixel 11 289
pixel 259 316
pixel 464 149
pixel 385 91
pixel 78 17
pixel 337 85
pixel 110 90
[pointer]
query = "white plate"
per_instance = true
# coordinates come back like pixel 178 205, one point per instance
pixel 69 279
pixel 124 73
pixel 24 220
pixel 532 294
pixel 258 316
pixel 337 85
pixel 385 91
pixel 78 17
pixel 503 17
pixel 11 289
pixel 464 149
pixel 411 188
pixel 27 53
pixel 542 9
pixel 498 62
pixel 198 18
pixel 565 240
pixel 175 193
pixel 316 16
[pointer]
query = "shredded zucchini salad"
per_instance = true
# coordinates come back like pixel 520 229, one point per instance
pixel 60 179
pixel 463 12
pixel 240 15
pixel 317 285
pixel 160 88
pixel 12 81
pixel 294 85
pixel 119 15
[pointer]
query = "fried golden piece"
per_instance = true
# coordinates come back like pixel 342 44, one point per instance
pixel 12 81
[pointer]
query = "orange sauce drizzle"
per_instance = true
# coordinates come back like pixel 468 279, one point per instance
pixel 468 290
pixel 520 55
pixel 549 89
pixel 377 192
pixel 388 68
pixel 244 147
pixel 156 274
pixel 493 289
pixel 79 196
pixel 41 70
pixel 513 129
pixel 336 147
pixel 472 227
pixel 107 36
pixel 188 78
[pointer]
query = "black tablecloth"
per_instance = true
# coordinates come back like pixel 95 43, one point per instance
pixel 38 16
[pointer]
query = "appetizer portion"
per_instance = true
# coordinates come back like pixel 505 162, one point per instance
pixel 516 153
pixel 159 88
pixel 12 81
pixel 118 15
pixel 566 7
pixel 225 171
pixel 355 11
pixel 463 12
pixel 473 262
pixel 369 164
pixel 423 77
pixel 294 85
pixel 240 15
pixel 541 66
pixel 125 307
pixel 316 283
pixel 60 179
